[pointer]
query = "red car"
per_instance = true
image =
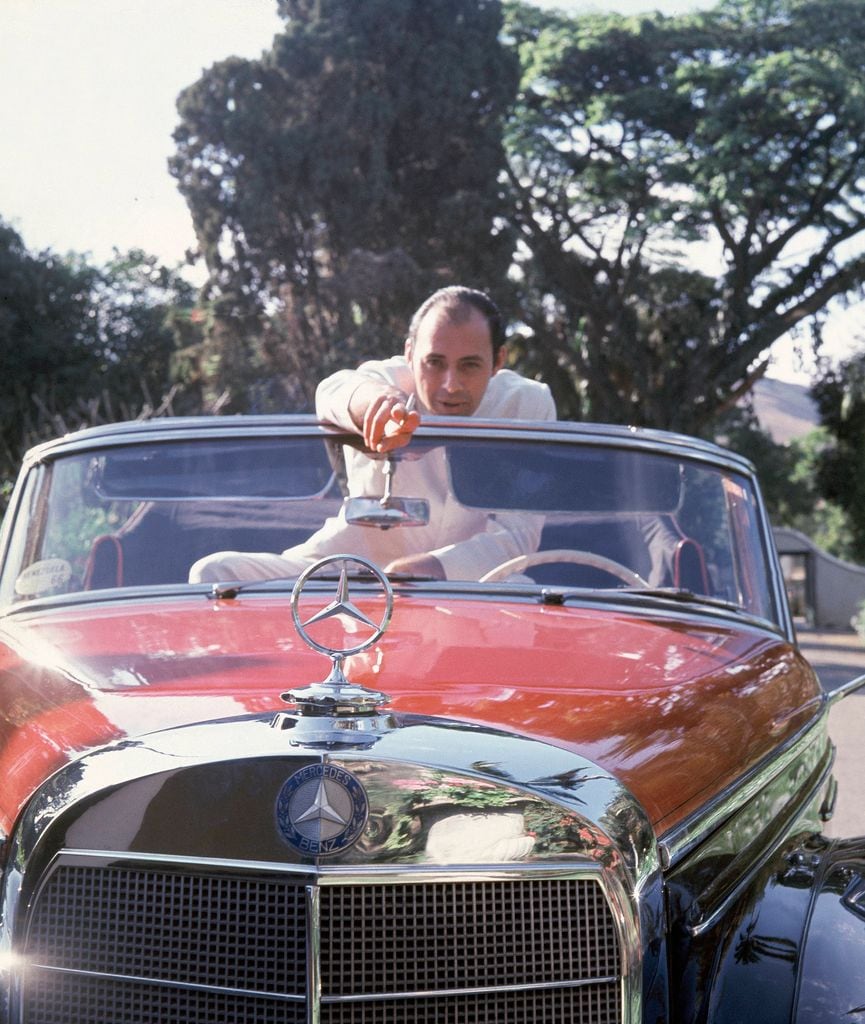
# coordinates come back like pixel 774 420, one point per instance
pixel 581 779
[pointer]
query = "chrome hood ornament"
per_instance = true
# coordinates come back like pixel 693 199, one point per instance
pixel 336 710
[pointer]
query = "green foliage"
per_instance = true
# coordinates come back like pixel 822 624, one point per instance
pixel 143 312
pixel 353 167
pixel 825 521
pixel 634 138
pixel 789 477
pixel 788 488
pixel 74 337
pixel 840 397
pixel 49 342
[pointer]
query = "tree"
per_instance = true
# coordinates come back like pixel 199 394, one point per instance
pixel 144 316
pixel 789 480
pixel 788 496
pixel 49 343
pixel 840 398
pixel 635 140
pixel 345 173
pixel 76 339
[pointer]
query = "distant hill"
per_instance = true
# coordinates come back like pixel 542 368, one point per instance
pixel 785 411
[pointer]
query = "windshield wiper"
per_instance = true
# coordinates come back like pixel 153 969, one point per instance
pixel 413 577
pixel 684 596
pixel 229 590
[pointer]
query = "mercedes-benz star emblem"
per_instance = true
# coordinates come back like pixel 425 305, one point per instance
pixel 341 605
pixel 337 710
pixel 321 809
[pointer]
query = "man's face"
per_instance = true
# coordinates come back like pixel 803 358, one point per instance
pixel 452 360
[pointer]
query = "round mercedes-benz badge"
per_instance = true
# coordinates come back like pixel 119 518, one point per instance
pixel 321 809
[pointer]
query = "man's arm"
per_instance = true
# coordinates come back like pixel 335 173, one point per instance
pixel 386 419
pixel 376 401
pixel 507 535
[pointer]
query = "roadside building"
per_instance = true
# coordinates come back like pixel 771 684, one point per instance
pixel 824 590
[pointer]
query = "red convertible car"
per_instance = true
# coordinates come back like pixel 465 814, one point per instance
pixel 249 773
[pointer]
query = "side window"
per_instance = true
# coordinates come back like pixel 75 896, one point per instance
pixel 22 540
pixel 750 556
pixel 702 516
pixel 78 517
pixel 49 551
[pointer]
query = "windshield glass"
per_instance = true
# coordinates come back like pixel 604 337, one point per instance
pixel 558 513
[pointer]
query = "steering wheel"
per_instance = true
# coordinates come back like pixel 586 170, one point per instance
pixel 594 561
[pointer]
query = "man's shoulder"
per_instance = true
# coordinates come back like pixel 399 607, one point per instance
pixel 510 379
pixel 391 363
pixel 333 395
pixel 392 369
pixel 511 395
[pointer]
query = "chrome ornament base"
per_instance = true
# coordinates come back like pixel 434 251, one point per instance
pixel 329 731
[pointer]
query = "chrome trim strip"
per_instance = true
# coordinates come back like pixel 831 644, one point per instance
pixel 313 954
pixel 345 874
pixel 678 841
pixel 188 986
pixel 633 603
pixel 393 997
pixel 779 832
pixel 844 690
pixel 109 857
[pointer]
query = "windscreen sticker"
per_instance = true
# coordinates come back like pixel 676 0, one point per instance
pixel 45 577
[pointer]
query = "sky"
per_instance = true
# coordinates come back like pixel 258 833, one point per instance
pixel 87 110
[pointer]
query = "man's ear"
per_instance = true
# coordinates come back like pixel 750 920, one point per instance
pixel 407 350
pixel 499 360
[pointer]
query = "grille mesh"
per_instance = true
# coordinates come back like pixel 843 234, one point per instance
pixel 83 1000
pixel 596 1004
pixel 199 948
pixel 463 935
pixel 221 930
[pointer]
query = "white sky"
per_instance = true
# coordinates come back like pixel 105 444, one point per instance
pixel 87 108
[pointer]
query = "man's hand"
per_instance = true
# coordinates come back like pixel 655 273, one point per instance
pixel 386 418
pixel 418 565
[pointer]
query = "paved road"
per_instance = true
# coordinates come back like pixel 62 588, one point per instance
pixel 837 658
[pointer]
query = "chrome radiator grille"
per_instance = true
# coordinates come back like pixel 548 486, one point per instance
pixel 145 945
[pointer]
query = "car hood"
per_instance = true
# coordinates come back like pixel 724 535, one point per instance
pixel 675 707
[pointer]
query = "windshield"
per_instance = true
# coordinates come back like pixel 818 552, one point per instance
pixel 555 513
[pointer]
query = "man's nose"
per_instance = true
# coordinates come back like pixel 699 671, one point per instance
pixel 451 380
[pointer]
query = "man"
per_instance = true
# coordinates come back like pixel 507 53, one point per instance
pixel 453 365
pixel 453 362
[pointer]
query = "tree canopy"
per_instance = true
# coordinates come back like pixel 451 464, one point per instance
pixel 72 334
pixel 840 397
pixel 348 171
pixel 381 148
pixel 634 140
pixel 576 166
pixel 49 343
